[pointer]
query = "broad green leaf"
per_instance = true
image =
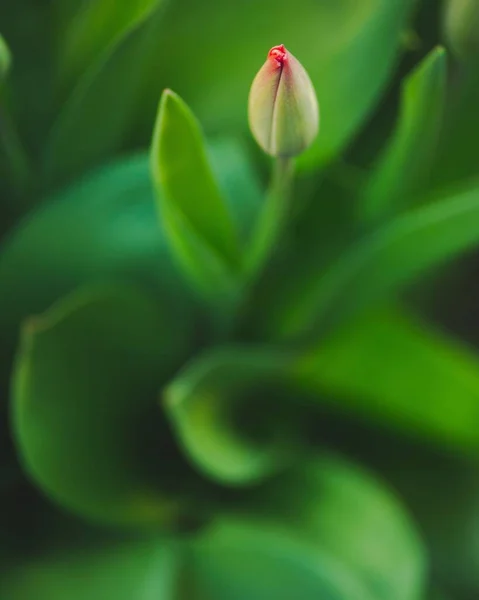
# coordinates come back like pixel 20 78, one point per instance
pixel 229 417
pixel 102 229
pixel 95 30
pixel 138 570
pixel 386 261
pixel 190 198
pixel 96 117
pixel 404 165
pixel 5 58
pixel 397 372
pixel 84 413
pixel 348 48
pixel 61 246
pixel 241 559
pixel 347 512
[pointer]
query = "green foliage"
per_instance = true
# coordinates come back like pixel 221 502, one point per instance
pixel 411 150
pixel 258 557
pixel 181 347
pixel 199 225
pixel 67 391
pixel 207 400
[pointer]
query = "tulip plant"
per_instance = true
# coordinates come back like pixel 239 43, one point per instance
pixel 219 379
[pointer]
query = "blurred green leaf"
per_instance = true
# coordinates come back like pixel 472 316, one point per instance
pixel 95 119
pixel 407 159
pixel 396 371
pixel 242 560
pixel 84 404
pixel 102 229
pixel 386 261
pixel 96 29
pixel 5 58
pixel 227 416
pixel 346 511
pixel 105 228
pixel 141 570
pixel 194 212
pixel 348 48
pixel 328 531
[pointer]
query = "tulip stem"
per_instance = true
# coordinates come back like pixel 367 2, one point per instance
pixel 273 218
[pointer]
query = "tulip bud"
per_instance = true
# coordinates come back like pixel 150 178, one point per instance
pixel 283 108
pixel 461 27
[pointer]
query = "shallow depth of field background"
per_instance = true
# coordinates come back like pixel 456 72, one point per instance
pixel 348 472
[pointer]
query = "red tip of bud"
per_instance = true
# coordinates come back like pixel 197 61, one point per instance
pixel 278 54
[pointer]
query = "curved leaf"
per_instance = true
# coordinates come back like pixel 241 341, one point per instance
pixel 389 259
pixel 228 416
pixel 330 531
pixel 347 512
pixel 407 159
pixel 190 199
pixel 395 371
pixel 83 401
pixel 241 559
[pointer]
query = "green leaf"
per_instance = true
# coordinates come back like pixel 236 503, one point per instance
pixel 348 513
pixel 395 371
pixel 84 414
pixel 141 570
pixel 102 229
pixel 5 58
pixel 405 164
pixel 190 198
pixel 348 49
pixel 246 559
pixel 98 113
pixel 229 417
pixel 96 30
pixel 330 531
pixel 383 263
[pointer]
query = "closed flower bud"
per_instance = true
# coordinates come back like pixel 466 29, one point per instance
pixel 283 108
pixel 461 27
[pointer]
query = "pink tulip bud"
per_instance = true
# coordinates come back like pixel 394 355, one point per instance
pixel 283 108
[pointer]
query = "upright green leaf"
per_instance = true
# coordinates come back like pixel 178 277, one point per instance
pixel 84 414
pixel 96 117
pixel 5 58
pixel 195 213
pixel 395 371
pixel 407 159
pixel 229 417
pixel 95 30
pixel 389 259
